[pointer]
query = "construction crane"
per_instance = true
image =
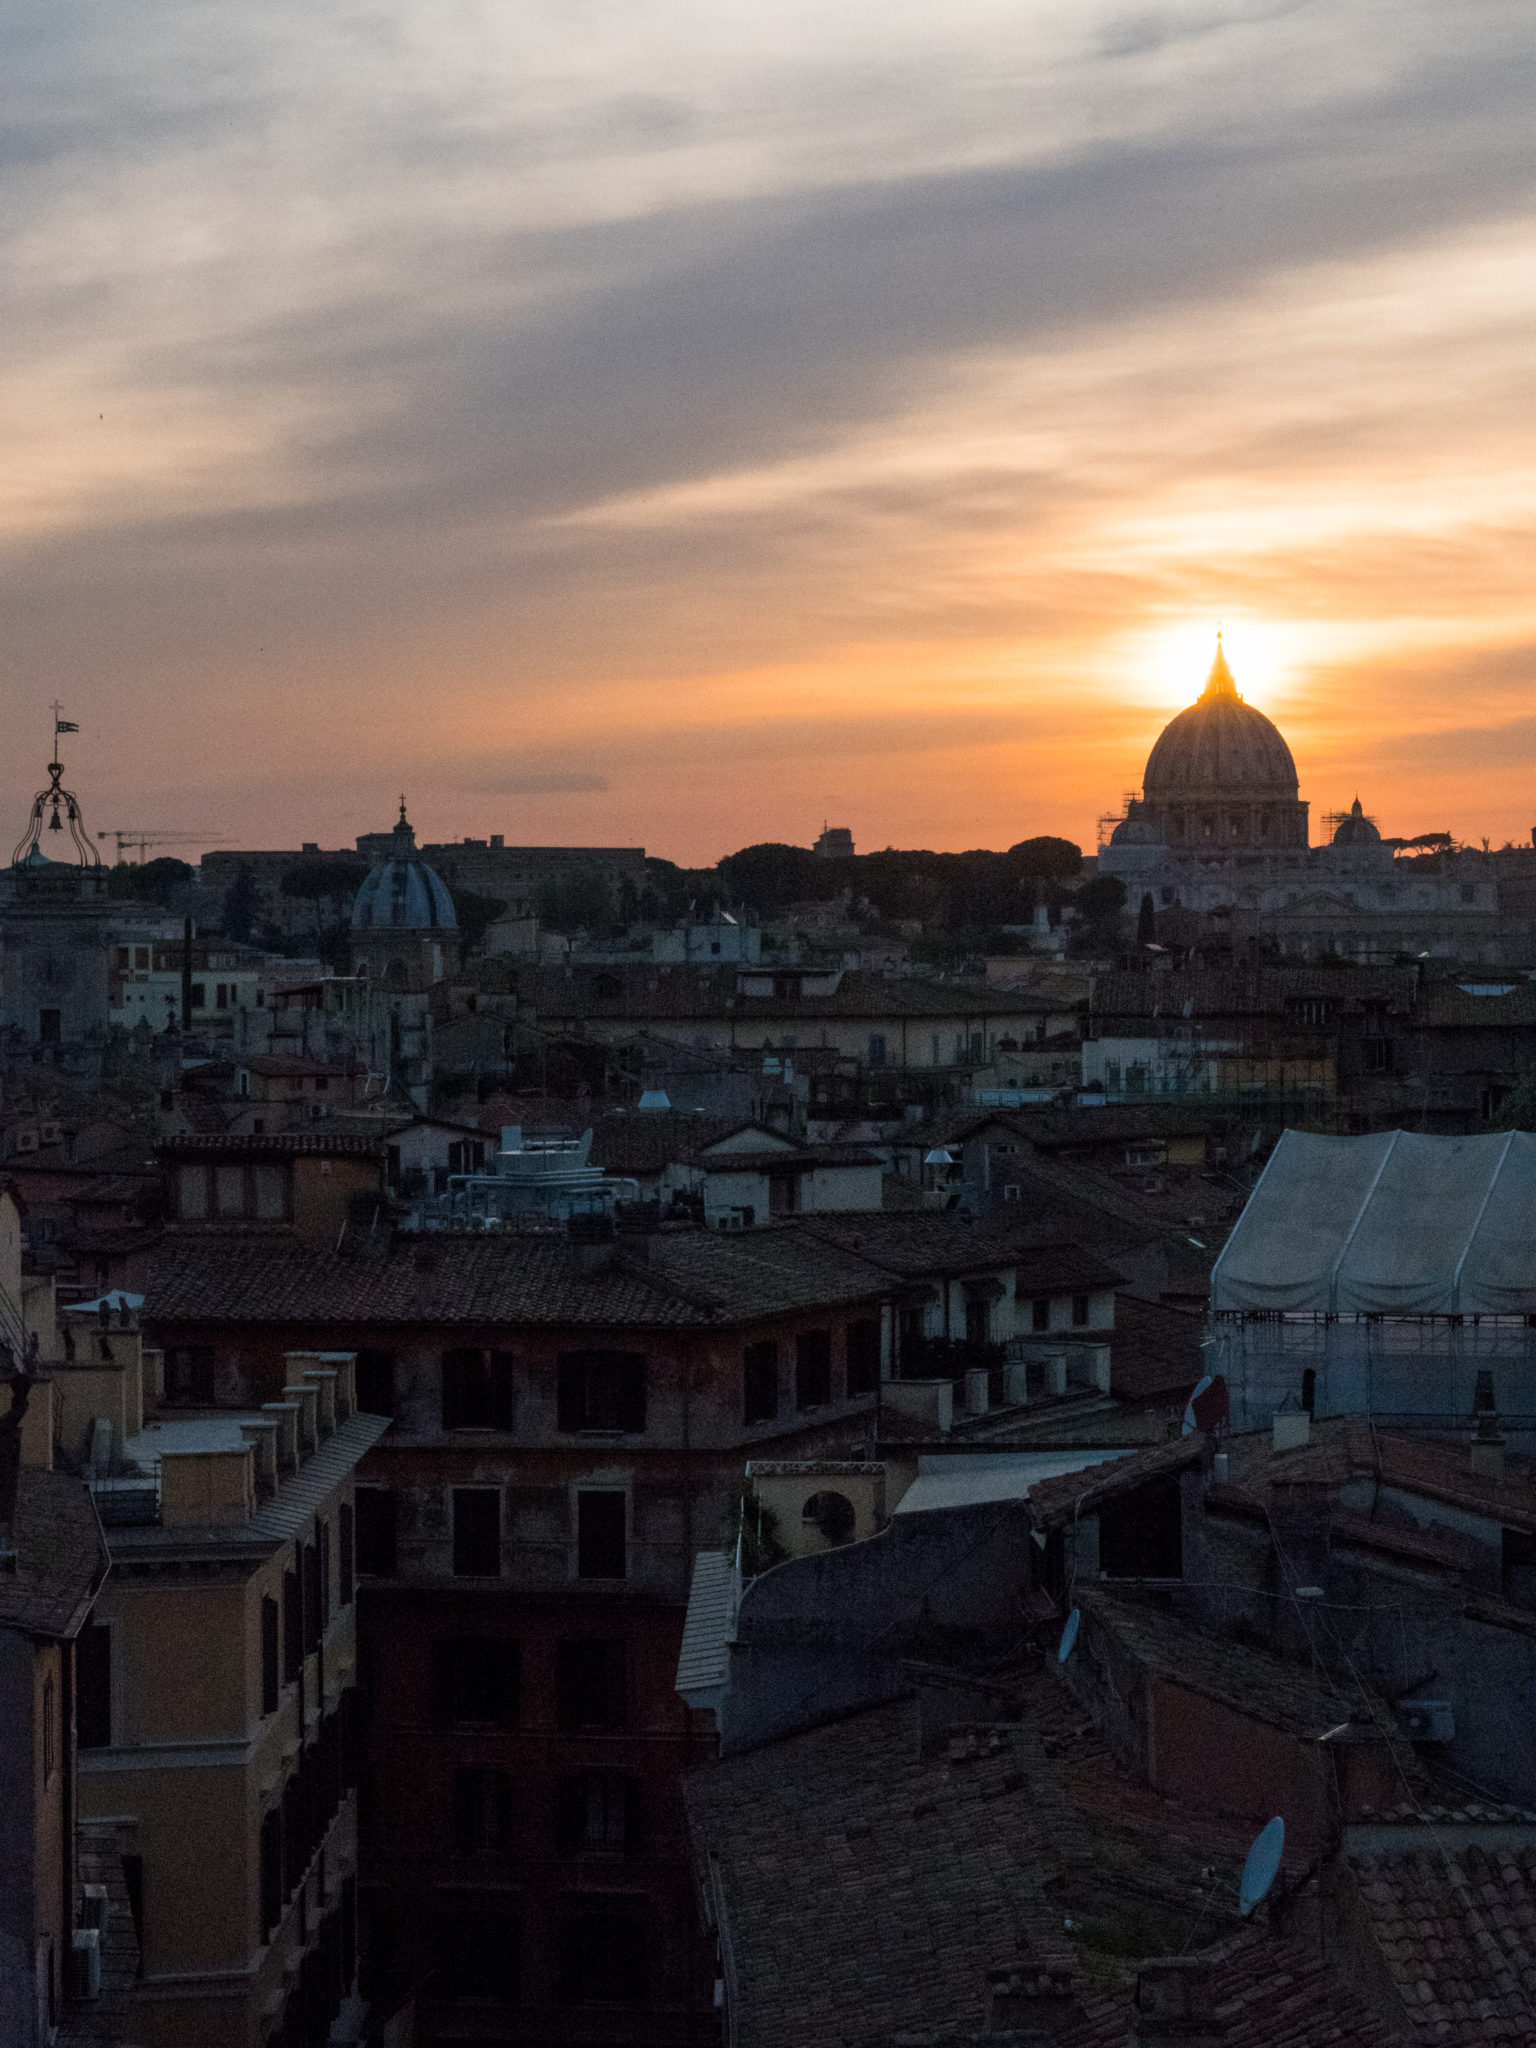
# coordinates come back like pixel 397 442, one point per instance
pixel 148 836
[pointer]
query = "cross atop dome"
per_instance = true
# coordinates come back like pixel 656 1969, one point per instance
pixel 1219 683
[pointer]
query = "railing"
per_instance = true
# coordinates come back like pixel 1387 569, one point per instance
pixel 129 1500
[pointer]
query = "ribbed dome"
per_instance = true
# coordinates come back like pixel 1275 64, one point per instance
pixel 1356 829
pixel 402 893
pixel 1219 746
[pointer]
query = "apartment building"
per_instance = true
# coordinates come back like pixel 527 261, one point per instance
pixel 216 1702
pixel 569 1424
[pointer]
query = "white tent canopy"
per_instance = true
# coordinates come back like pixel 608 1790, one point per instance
pixel 1397 1223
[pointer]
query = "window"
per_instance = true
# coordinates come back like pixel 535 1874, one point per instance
pixel 376 1531
pixel 313 1622
pixel 477 1532
pixel 590 1689
pixel 189 1375
pixel 93 1686
pixel 1141 1535
pixel 601 1550
pixel 482 1813
pixel 832 1515
pixel 863 1347
pixel 1040 1314
pixel 50 1026
pixel 293 1627
pixel 1080 1309
pixel 877 1048
pixel 477 1390
pixel 602 1390
pixel 50 1731
pixel 475 1682
pixel 602 1957
pixel 234 1191
pixel 199 995
pixel 1518 1564
pixel 376 1382
pixel 345 1557
pixel 221 996
pixel 271 1885
pixel 978 1320
pixel 477 1953
pixel 1378 1055
pixel 271 1658
pixel 760 1382
pixel 813 1368
pixel 598 1813
pixel 783 1193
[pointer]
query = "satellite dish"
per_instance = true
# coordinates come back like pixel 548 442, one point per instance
pixel 1262 1867
pixel 1190 1424
pixel 1069 1636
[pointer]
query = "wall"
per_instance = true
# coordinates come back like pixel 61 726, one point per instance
pixel 821 1635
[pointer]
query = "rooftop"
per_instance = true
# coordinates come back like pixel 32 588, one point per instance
pixel 61 1556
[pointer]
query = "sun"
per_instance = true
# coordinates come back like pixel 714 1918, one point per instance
pixel 1167 665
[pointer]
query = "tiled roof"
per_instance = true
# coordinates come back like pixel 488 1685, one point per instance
pixel 1060 1500
pixel 710 993
pixel 314 1139
pixel 1255 1682
pixel 915 1244
pixel 862 1890
pixel 1228 992
pixel 1433 1467
pixel 1266 1991
pixel 1054 1130
pixel 1456 1926
pixel 60 1556
pixel 1154 1351
pixel 645 1142
pixel 772 1271
pixel 437 1280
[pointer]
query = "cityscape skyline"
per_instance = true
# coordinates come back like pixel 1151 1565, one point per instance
pixel 818 424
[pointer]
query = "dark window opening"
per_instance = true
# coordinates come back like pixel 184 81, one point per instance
pixel 482 1813
pixel 813 1368
pixel 93 1686
pixel 475 1682
pixel 760 1382
pixel 598 1814
pixel 1080 1309
pixel 783 1193
pixel 50 1025
pixel 477 1532
pixel 863 1344
pixel 346 1556
pixel 602 1390
pixel 1519 1567
pixel 477 1390
pixel 602 1959
pixel 376 1382
pixel 477 1954
pixel 1040 1314
pixel 376 1520
pixel 1309 1390
pixel 590 1689
pixel 601 1547
pixel 293 1627
pixel 271 1882
pixel 189 1375
pixel 313 1623
pixel 978 1320
pixel 271 1658
pixel 832 1514
pixel 1142 1536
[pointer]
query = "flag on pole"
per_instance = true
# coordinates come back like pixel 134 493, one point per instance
pixel 65 725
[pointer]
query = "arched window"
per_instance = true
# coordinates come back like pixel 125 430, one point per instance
pixel 832 1514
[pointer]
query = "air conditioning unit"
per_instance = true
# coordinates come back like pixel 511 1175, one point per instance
pixel 1013 1192
pixel 1428 1720
pixel 26 1141
pixel 84 1964
pixel 52 1134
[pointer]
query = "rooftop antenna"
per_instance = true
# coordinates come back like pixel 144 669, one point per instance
pixel 1069 1636
pixel 1190 1425
pixel 1262 1867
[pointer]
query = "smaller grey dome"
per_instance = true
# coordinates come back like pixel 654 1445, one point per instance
pixel 402 893
pixel 1356 829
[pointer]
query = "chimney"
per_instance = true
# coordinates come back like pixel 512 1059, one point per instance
pixel 1031 2001
pixel 1175 2005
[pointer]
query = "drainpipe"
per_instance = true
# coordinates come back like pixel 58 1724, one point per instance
pixel 186 974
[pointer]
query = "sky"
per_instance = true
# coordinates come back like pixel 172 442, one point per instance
pixel 655 423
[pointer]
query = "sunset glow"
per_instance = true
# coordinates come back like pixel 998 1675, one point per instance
pixel 678 425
